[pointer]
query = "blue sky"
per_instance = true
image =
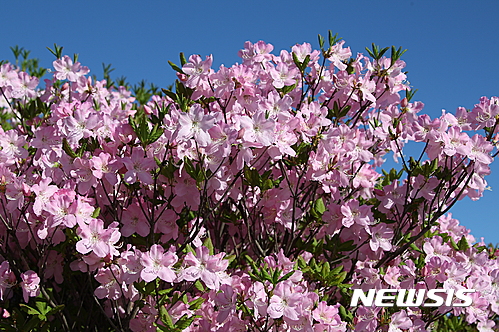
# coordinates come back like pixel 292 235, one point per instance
pixel 453 46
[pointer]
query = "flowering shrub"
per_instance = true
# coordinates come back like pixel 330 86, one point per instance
pixel 250 198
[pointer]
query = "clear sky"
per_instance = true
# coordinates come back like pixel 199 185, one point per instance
pixel 452 57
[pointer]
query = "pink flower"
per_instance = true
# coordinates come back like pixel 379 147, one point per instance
pixel 285 301
pixel 355 213
pixel 134 221
pixel 54 267
pixel 204 266
pixel 196 124
pixel 283 75
pixel 258 129
pixel 338 54
pixel 197 70
pixel 110 287
pixel 381 237
pixel 30 284
pixel 157 263
pixel 7 280
pixel 65 69
pixel 26 86
pixel 226 302
pixel 43 193
pixel 138 167
pixel 327 314
pixel 97 239
pixel 400 321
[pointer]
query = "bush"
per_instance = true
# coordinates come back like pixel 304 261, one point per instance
pixel 251 198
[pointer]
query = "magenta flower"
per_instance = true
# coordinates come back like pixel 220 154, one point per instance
pixel 157 263
pixel 30 284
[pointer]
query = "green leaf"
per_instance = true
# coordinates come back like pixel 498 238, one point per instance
pixel 42 307
pixel 164 328
pixel 453 244
pixel 265 274
pixel 287 89
pixel 321 42
pixel 208 244
pixel 319 206
pixel 184 322
pixel 155 134
pixel 333 39
pixel 31 324
pixel 165 317
pixel 287 276
pixel 345 314
pixel 175 67
pixel 463 244
pixel 196 304
pixel 96 213
pixel 199 286
pixel 183 60
pixel 67 148
pixel 29 310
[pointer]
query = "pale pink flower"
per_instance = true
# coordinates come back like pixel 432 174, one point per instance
pixel 95 238
pixel 30 284
pixel 400 321
pixel 7 280
pixel 110 287
pixel 285 301
pixel 157 263
pixel 139 167
pixel 205 267
pixel 196 124
pixel 381 237
pixel 65 69
pixel 43 191
pixel 134 221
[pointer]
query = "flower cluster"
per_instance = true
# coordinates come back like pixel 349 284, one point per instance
pixel 251 198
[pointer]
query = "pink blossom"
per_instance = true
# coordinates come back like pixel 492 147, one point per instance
pixel 95 238
pixel 65 69
pixel 400 321
pixel 226 302
pixel 134 221
pixel 205 267
pixel 43 192
pixel 381 236
pixel 30 284
pixel 110 285
pixel 196 124
pixel 7 280
pixel 138 167
pixel 157 263
pixel 285 301
pixel 258 129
